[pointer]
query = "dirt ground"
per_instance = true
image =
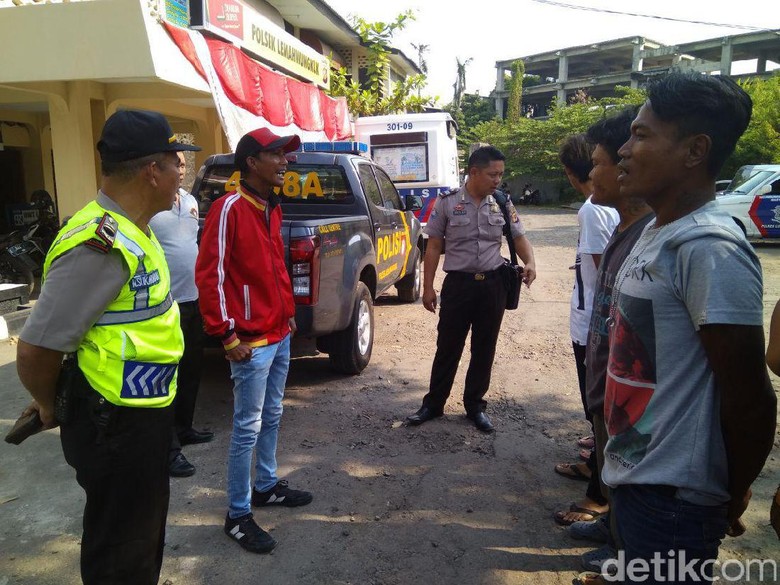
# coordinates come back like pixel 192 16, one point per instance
pixel 437 504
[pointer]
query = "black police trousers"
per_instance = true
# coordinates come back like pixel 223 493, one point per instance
pixel 120 455
pixel 189 373
pixel 466 303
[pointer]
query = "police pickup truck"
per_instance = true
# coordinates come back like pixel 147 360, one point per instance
pixel 348 238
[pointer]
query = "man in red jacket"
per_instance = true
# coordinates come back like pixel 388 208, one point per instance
pixel 246 301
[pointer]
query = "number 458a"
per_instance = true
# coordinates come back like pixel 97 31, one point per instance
pixel 293 186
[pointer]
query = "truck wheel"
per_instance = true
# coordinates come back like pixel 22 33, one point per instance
pixel 350 349
pixel 409 286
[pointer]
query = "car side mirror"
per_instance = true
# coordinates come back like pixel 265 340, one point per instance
pixel 764 190
pixel 413 202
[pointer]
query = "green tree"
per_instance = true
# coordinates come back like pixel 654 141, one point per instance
pixel 421 50
pixel 531 146
pixel 370 98
pixel 760 144
pixel 515 102
pixel 460 81
pixel 474 110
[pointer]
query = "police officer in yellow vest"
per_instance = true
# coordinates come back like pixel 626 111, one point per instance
pixel 106 298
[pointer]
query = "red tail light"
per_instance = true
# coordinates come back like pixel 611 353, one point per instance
pixel 305 261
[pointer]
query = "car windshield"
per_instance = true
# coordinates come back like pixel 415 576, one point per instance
pixel 746 179
pixel 302 183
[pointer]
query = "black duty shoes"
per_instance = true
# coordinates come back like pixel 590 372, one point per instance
pixel 193 437
pixel 281 495
pixel 423 415
pixel 248 534
pixel 180 467
pixel 481 421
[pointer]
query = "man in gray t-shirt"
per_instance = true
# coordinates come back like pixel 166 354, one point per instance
pixel 689 408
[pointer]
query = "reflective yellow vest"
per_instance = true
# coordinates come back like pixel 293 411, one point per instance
pixel 130 355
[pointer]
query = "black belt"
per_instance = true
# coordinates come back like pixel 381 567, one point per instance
pixel 474 275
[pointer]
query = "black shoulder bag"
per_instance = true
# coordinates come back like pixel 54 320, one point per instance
pixel 511 272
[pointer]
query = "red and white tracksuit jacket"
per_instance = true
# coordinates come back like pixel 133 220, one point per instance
pixel 245 291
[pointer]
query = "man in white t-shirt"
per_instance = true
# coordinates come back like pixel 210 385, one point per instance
pixel 596 224
pixel 177 231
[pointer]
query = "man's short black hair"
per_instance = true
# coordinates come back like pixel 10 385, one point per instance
pixel 703 104
pixel 612 132
pixel 484 155
pixel 574 154
pixel 127 169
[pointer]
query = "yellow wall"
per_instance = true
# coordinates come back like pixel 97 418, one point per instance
pixel 24 134
pixel 63 86
pixel 62 141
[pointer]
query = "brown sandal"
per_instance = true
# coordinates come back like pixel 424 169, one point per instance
pixel 589 578
pixel 587 442
pixel 572 471
pixel 560 517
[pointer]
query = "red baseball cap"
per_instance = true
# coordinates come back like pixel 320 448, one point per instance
pixel 262 139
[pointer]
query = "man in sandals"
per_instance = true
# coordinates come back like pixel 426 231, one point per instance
pixel 607 136
pixel 596 223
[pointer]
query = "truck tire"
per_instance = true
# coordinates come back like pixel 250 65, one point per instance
pixel 350 349
pixel 409 286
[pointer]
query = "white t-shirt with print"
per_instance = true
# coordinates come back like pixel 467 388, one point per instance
pixel 596 226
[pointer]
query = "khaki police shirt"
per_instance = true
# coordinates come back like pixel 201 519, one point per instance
pixel 473 231
pixel 79 286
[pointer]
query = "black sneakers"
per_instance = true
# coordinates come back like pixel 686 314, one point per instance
pixel 281 495
pixel 248 534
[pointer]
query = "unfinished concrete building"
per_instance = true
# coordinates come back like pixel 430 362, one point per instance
pixel 597 68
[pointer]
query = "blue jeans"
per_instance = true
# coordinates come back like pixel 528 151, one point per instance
pixel 651 522
pixel 258 389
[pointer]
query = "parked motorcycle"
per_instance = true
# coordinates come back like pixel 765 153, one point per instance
pixel 530 196
pixel 19 259
pixel 22 252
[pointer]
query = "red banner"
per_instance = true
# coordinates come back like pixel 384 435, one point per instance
pixel 277 98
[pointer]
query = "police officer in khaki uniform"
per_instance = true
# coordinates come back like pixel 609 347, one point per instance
pixel 473 296
pixel 106 298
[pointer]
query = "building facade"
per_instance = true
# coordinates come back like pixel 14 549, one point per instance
pixel 67 66
pixel 597 68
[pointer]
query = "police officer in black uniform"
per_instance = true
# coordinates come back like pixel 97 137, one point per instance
pixel 474 294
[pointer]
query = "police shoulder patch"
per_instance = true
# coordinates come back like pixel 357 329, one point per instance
pixel 449 192
pixel 105 234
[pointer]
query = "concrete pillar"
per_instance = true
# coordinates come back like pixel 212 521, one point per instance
pixel 500 86
pixel 563 77
pixel 637 61
pixel 500 78
pixel 761 63
pixel 47 162
pixel 210 137
pixel 637 56
pixel 72 139
pixel 725 56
